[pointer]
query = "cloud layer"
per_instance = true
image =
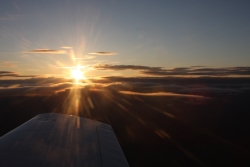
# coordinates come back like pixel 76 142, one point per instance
pixel 138 86
pixel 126 67
pixel 103 53
pixel 159 94
pixel 12 74
pixel 48 51
pixel 182 71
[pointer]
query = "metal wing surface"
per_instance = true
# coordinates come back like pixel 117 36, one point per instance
pixel 61 140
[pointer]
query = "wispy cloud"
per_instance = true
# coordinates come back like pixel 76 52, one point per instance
pixel 66 47
pixel 34 90
pixel 48 51
pixel 191 71
pixel 125 67
pixel 160 94
pixel 181 71
pixel 13 74
pixel 211 90
pixel 198 66
pixel 104 53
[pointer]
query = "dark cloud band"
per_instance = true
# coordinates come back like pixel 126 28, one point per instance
pixel 182 71
pixel 48 51
pixel 125 67
pixel 104 53
pixel 12 74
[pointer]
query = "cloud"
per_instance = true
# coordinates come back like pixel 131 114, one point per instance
pixel 48 51
pixel 143 86
pixel 211 91
pixel 198 66
pixel 204 86
pixel 220 81
pixel 34 86
pixel 12 74
pixel 200 71
pixel 35 90
pixel 5 72
pixel 32 81
pixel 181 71
pixel 125 67
pixel 66 47
pixel 160 94
pixel 103 53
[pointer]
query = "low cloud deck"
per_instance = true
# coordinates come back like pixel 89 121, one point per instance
pixel 61 140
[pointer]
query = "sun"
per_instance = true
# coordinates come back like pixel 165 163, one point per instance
pixel 77 74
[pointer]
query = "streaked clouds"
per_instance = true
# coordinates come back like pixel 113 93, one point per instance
pixel 13 74
pixel 195 71
pixel 66 47
pixel 160 94
pixel 14 90
pixel 181 71
pixel 48 51
pixel 104 53
pixel 211 90
pixel 125 67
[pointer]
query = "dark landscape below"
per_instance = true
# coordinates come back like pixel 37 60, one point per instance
pixel 152 130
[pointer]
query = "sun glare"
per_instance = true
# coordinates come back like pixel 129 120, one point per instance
pixel 77 74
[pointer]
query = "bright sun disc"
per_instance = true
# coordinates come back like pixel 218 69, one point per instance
pixel 77 74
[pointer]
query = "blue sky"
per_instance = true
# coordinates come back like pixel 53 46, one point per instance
pixel 158 33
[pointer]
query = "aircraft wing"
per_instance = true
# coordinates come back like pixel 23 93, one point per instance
pixel 61 140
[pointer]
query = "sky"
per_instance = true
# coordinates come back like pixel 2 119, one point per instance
pixel 124 38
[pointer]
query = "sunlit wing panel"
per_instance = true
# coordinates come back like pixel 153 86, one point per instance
pixel 61 140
